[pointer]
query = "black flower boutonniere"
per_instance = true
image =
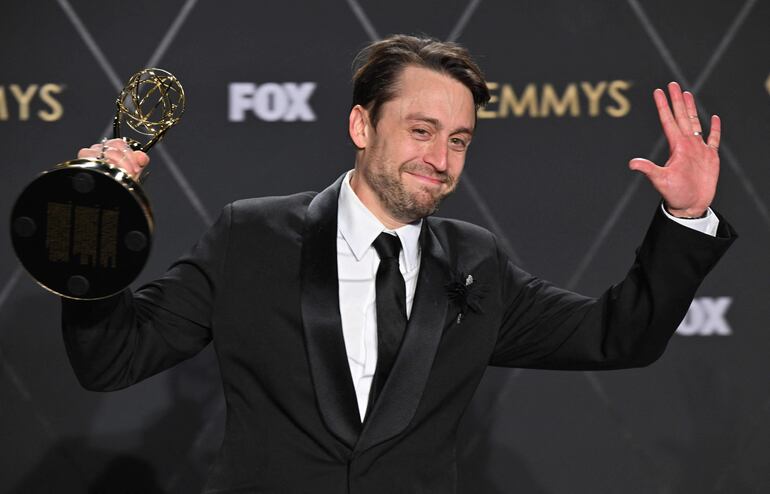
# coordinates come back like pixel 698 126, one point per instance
pixel 466 293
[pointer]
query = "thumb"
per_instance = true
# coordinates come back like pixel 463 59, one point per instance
pixel 645 166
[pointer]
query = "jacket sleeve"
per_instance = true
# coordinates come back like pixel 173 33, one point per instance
pixel 118 341
pixel 629 325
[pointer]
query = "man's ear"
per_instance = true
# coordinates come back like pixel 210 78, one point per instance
pixel 358 126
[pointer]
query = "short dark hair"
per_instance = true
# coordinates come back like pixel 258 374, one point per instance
pixel 379 64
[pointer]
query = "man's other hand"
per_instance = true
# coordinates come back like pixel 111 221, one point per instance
pixel 688 180
pixel 118 153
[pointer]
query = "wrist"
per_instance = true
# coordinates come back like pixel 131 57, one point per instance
pixel 687 214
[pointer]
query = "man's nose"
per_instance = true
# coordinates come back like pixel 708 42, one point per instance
pixel 436 154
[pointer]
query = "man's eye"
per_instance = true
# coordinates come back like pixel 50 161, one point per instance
pixel 420 132
pixel 457 143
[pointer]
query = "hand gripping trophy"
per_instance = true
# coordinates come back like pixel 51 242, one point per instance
pixel 83 229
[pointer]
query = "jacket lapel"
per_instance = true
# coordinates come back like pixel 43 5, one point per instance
pixel 321 318
pixel 398 401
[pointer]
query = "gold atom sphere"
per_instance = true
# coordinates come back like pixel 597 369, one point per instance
pixel 152 101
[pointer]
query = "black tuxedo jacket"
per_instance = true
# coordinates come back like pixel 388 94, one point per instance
pixel 262 285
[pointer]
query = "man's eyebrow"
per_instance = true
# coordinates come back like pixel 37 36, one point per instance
pixel 424 118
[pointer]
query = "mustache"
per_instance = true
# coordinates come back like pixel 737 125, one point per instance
pixel 428 171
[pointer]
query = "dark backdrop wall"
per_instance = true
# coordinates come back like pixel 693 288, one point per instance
pixel 547 172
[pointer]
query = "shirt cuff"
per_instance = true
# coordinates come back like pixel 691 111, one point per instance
pixel 708 224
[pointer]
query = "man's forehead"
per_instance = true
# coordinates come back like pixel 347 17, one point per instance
pixel 427 94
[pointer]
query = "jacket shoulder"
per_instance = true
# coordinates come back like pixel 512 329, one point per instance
pixel 273 210
pixel 454 230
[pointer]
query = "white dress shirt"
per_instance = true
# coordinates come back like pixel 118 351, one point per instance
pixel 357 264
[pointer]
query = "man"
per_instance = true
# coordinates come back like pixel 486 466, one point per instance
pixel 329 389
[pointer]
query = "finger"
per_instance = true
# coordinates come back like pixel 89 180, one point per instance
pixel 141 158
pixel 647 167
pixel 715 132
pixel 119 158
pixel 670 128
pixel 692 111
pixel 124 160
pixel 118 143
pixel 680 112
pixel 89 152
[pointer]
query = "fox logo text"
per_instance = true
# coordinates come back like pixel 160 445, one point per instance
pixel 271 101
pixel 706 317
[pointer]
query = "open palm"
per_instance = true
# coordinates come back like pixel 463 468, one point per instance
pixel 688 180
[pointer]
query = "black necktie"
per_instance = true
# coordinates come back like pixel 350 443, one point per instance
pixel 391 310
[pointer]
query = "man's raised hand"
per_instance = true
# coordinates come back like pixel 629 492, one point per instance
pixel 688 180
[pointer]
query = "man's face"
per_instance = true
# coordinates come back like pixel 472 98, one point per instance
pixel 414 157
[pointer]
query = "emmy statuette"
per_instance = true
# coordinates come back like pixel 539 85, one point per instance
pixel 83 230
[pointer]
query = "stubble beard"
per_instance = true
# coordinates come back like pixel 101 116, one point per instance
pixel 404 205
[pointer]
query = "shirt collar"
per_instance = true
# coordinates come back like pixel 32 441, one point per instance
pixel 359 227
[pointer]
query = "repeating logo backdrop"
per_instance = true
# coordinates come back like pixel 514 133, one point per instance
pixel 268 92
